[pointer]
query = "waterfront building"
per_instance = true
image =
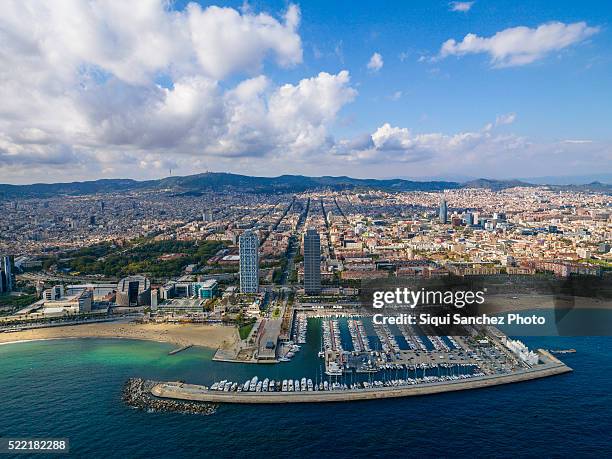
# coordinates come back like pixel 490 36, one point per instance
pixel 249 262
pixel 100 290
pixel 55 304
pixel 312 262
pixel 154 298
pixel 181 306
pixel 54 293
pixel 134 291
pixel 443 214
pixel 207 289
pixel 6 274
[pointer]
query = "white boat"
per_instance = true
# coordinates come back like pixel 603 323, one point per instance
pixel 215 386
pixel 253 384
pixel 285 386
pixel 265 385
pixel 245 386
pixel 310 385
pixel 333 369
pixel 303 384
pixel 272 387
pixel 290 386
pixel 325 385
pixel 296 385
pixel 258 387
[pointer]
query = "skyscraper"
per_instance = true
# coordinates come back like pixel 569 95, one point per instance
pixel 443 211
pixel 6 274
pixel 312 262
pixel 249 262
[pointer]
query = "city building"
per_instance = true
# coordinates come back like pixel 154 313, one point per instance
pixel 6 274
pixel 249 262
pixel 181 306
pixel 312 262
pixel 54 293
pixel 101 291
pixel 133 291
pixel 55 304
pixel 207 289
pixel 443 214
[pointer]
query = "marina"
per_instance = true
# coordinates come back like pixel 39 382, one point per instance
pixel 344 356
pixel 306 391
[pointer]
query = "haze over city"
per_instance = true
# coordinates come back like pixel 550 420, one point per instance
pixel 444 90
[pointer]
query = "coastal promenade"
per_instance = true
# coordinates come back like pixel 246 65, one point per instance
pixel 181 391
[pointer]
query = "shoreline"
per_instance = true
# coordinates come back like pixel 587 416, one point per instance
pixel 127 338
pixel 180 335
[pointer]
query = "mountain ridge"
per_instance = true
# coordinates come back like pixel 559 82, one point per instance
pixel 253 184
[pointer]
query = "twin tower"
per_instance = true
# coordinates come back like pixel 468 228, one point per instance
pixel 249 262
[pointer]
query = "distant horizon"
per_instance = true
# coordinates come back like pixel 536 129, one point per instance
pixel 582 179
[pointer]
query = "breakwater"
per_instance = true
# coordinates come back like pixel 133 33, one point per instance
pixel 181 391
pixel 137 394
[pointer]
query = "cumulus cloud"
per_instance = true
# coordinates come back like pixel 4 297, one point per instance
pixel 393 144
pixel 226 41
pixel 375 63
pixel 520 45
pixel 101 85
pixel 463 7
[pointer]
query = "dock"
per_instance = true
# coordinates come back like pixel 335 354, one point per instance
pixel 180 349
pixel 182 391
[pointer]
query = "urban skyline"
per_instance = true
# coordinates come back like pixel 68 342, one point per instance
pixel 227 208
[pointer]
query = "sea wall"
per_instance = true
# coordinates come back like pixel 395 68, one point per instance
pixel 182 391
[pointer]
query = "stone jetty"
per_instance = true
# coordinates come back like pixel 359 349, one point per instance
pixel 137 394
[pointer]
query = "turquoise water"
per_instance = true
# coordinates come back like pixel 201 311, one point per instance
pixel 72 388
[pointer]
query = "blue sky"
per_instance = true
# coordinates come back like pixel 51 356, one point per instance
pixel 565 93
pixel 138 93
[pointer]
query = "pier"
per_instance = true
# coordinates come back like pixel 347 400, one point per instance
pixel 181 391
pixel 180 349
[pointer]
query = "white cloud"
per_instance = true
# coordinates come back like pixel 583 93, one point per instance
pixel 578 141
pixel 520 45
pixel 395 151
pixel 463 7
pixel 79 84
pixel 286 121
pixel 226 41
pixel 507 118
pixel 391 144
pixel 376 62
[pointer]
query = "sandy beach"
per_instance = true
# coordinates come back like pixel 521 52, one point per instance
pixel 211 336
pixel 521 302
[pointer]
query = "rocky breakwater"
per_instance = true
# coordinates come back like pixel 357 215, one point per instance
pixel 137 394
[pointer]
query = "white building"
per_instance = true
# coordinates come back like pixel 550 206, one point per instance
pixel 249 262
pixel 521 351
pixel 54 305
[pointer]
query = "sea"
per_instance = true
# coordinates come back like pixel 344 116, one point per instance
pixel 72 389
